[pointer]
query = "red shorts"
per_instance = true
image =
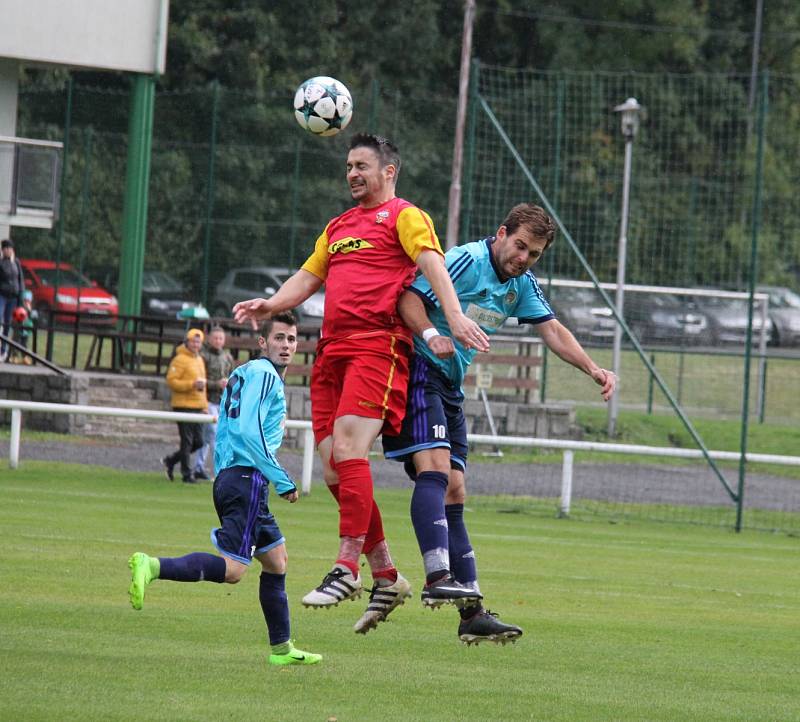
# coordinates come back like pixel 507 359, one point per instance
pixel 363 376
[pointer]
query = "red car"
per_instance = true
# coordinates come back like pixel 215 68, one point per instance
pixel 75 292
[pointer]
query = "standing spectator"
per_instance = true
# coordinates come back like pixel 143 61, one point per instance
pixel 12 284
pixel 219 364
pixel 186 378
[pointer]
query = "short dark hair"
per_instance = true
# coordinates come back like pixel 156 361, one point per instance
pixel 387 152
pixel 534 218
pixel 286 317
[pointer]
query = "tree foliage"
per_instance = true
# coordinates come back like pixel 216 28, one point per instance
pixel 233 67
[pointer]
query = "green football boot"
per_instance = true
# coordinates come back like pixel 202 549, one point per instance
pixel 295 656
pixel 144 569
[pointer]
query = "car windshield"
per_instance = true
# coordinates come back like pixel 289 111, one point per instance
pixel 68 277
pixel 721 303
pixel 784 298
pixel 160 280
pixel 659 300
pixel 587 296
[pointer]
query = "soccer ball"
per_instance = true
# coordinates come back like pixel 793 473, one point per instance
pixel 19 314
pixel 323 106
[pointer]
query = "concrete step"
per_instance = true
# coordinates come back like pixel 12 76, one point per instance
pixel 106 426
pixel 126 397
pixel 123 404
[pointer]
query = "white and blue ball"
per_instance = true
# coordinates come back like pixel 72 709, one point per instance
pixel 323 105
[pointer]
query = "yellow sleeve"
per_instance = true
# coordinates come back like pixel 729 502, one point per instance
pixel 416 232
pixel 176 375
pixel 317 262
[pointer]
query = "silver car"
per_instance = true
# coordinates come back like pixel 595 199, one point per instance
pixel 727 320
pixel 584 312
pixel 242 284
pixel 784 311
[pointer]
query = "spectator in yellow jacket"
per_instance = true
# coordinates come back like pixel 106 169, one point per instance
pixel 186 378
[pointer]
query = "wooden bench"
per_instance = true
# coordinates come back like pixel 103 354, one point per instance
pixel 519 362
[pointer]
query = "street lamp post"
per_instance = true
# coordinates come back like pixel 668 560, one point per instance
pixel 629 115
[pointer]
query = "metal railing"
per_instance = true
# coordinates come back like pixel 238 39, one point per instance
pixel 568 446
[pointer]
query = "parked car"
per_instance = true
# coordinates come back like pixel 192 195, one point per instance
pixel 166 297
pixel 665 318
pixel 784 311
pixel 584 312
pixel 74 293
pixel 241 284
pixel 727 319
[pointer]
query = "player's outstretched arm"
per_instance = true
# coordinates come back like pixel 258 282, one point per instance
pixel 297 289
pixel 560 341
pixel 468 333
pixel 412 310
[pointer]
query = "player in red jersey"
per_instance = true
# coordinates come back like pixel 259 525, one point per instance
pixel 366 257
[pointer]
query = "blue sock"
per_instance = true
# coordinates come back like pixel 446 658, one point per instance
pixel 194 567
pixel 430 524
pixel 275 605
pixel 462 557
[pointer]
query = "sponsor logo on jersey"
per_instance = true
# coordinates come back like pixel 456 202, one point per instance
pixel 348 245
pixel 381 216
pixel 368 404
pixel 484 316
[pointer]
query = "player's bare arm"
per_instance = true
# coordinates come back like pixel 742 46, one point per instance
pixel 469 333
pixel 299 287
pixel 412 311
pixel 562 343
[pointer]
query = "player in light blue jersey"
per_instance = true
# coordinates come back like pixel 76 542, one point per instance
pixel 493 281
pixel 251 421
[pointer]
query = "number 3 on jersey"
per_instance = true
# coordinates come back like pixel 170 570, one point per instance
pixel 232 397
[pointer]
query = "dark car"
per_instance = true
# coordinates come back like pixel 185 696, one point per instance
pixel 241 284
pixel 784 311
pixel 164 296
pixel 727 319
pixel 584 312
pixel 665 318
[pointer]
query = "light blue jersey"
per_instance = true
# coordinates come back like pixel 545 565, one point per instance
pixel 484 298
pixel 252 412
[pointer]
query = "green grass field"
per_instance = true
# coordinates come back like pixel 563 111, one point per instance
pixel 622 622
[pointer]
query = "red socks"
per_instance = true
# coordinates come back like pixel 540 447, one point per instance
pixel 355 497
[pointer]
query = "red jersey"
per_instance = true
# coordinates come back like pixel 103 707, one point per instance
pixel 367 258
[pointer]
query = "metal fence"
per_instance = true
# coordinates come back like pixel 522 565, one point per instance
pixel 235 182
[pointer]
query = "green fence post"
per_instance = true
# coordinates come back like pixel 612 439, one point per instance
pixel 469 153
pixel 137 181
pixel 763 409
pixel 62 215
pixel 85 187
pixel 212 152
pixel 556 189
pixel 295 200
pixel 752 275
pixel 650 384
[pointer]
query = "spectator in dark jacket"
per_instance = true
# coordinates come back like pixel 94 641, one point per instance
pixel 219 364
pixel 12 284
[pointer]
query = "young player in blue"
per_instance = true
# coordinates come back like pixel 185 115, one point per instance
pixel 493 281
pixel 251 419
